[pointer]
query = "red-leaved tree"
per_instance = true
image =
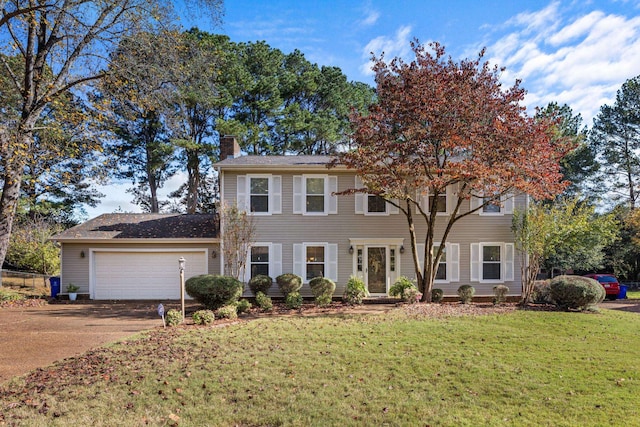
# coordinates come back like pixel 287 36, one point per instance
pixel 438 124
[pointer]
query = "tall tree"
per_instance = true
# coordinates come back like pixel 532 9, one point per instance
pixel 60 46
pixel 440 123
pixel 615 137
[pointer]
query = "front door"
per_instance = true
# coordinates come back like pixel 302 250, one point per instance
pixel 376 269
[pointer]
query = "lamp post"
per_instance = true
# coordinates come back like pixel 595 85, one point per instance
pixel 181 262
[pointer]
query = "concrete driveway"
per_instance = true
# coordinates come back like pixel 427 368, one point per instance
pixel 34 337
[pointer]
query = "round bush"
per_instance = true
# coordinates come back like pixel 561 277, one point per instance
pixel 437 295
pixel 260 283
pixel 264 302
pixel 500 294
pixel 227 312
pixel 466 293
pixel 214 291
pixel 322 289
pixel 243 306
pixel 173 317
pixel 541 292
pixel 293 300
pixel 203 317
pixel 288 283
pixel 576 292
pixel 399 288
pixel 355 291
pixel 411 295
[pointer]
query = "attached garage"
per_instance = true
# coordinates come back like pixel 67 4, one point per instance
pixel 120 274
pixel 135 256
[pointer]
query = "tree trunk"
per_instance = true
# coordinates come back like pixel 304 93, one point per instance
pixel 8 203
pixel 193 171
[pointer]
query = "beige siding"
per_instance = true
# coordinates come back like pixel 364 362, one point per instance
pixel 289 229
pixel 75 268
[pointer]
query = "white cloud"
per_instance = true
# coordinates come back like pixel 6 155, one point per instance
pixel 578 59
pixel 371 17
pixel 399 45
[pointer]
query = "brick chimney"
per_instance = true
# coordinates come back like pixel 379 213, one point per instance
pixel 229 147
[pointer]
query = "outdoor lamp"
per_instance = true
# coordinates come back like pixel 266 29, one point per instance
pixel 181 263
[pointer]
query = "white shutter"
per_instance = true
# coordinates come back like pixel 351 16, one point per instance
pixel 359 197
pixel 507 203
pixel 475 202
pixel 475 262
pixel 332 264
pixel 297 194
pixel 298 261
pixel 241 193
pixel 275 260
pixel 424 201
pixel 393 209
pixel 453 262
pixel 275 198
pixel 420 247
pixel 508 262
pixel 333 199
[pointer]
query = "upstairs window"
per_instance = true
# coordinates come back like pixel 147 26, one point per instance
pixel 314 194
pixel 259 194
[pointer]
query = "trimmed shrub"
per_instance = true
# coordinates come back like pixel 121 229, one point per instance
pixel 243 306
pixel 288 283
pixel 399 288
pixel 227 312
pixel 173 317
pixel 411 295
pixel 541 292
pixel 466 293
pixel 576 292
pixel 203 317
pixel 260 283
pixel 355 291
pixel 214 291
pixel 500 294
pixel 437 295
pixel 264 302
pixel 7 295
pixel 322 289
pixel 293 300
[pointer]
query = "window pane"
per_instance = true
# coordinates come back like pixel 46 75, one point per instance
pixel 260 254
pixel 491 271
pixel 259 185
pixel 315 186
pixel 443 258
pixel 315 270
pixel 315 203
pixel 376 204
pixel 440 204
pixel 259 269
pixel 491 253
pixel 491 208
pixel 259 203
pixel 441 274
pixel 315 253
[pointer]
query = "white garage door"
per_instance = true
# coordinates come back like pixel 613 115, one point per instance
pixel 143 275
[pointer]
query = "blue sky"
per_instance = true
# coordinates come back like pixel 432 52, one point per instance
pixel 573 52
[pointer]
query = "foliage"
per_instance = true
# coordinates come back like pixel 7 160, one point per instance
pixel 466 293
pixel 203 317
pixel 227 312
pixel 238 233
pixel 293 300
pixel 8 295
pixel 614 137
pixel 399 288
pixel 173 317
pixel 440 123
pixel 541 292
pixel 500 294
pixel 288 283
pixel 576 292
pixel 214 291
pixel 71 288
pixel 322 289
pixel 565 234
pixel 437 295
pixel 355 291
pixel 243 306
pixel 31 247
pixel 264 301
pixel 260 283
pixel 411 295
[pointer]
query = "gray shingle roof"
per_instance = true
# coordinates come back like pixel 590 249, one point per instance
pixel 144 226
pixel 289 161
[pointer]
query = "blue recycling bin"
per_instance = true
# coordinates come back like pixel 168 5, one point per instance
pixel 55 286
pixel 623 292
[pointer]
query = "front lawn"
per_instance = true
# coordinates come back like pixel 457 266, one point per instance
pixel 523 368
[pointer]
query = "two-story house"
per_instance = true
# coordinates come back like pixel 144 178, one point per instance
pixel 302 227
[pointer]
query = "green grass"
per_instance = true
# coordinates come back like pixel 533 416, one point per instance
pixel 633 294
pixel 526 368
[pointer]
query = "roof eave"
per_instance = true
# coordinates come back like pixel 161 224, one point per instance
pixel 188 240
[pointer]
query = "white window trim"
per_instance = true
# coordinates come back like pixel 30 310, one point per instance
pixel 362 203
pixel 300 194
pixel 452 263
pixel 330 260
pixel 506 205
pixel 448 201
pixel 506 262
pixel 275 260
pixel 274 194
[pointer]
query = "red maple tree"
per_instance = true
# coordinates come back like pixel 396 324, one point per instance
pixel 439 123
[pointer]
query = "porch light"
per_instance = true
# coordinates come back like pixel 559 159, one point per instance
pixel 81 254
pixel 402 249
pixel 351 250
